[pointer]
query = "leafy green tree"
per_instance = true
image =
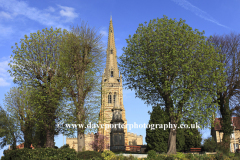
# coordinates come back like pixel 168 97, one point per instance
pixel 209 144
pixel 180 139
pixel 229 46
pixel 193 139
pixel 168 63
pixel 17 101
pixel 36 64
pixel 157 138
pixel 10 133
pixel 82 63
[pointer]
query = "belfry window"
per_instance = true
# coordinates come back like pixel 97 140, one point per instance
pixel 111 51
pixel 109 98
pixel 111 73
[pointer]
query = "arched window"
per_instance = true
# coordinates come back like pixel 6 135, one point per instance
pixel 111 51
pixel 111 73
pixel 109 98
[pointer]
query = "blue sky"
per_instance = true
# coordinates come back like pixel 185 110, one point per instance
pixel 18 18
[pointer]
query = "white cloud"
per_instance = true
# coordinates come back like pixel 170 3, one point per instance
pixel 5 15
pixel 5 30
pixel 21 8
pixel 188 6
pixel 4 83
pixel 50 9
pixel 104 33
pixel 67 12
pixel 5 78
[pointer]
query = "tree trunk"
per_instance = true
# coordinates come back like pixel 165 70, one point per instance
pixel 172 133
pixel 172 141
pixel 225 123
pixel 27 140
pixel 14 145
pixel 80 140
pixel 50 133
pixel 50 139
pixel 28 134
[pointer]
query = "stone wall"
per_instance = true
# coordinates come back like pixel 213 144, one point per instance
pixel 133 139
pixel 72 142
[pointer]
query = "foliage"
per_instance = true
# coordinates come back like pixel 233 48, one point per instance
pixel 36 64
pixel 99 143
pixel 121 157
pixel 9 131
pixel 222 147
pixel 108 155
pixel 237 154
pixel 19 104
pixel 189 156
pixel 157 138
pixel 151 154
pixel 227 129
pixel 228 46
pixel 65 146
pixel 169 64
pixel 81 62
pixel 180 139
pixel 179 155
pixel 209 145
pixel 40 153
pixel 192 137
pixel 89 155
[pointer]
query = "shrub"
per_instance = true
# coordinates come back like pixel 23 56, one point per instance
pixel 169 158
pixel 223 147
pixel 89 155
pixel 121 157
pixel 108 155
pixel 237 154
pixel 189 156
pixel 65 146
pixel 179 155
pixel 131 157
pixel 209 145
pixel 40 153
pixel 151 154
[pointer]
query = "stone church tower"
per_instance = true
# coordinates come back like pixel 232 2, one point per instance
pixel 111 88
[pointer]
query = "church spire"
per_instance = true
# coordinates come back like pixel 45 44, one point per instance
pixel 111 73
pixel 111 41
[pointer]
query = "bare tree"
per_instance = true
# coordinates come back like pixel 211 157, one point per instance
pixel 82 63
pixel 229 46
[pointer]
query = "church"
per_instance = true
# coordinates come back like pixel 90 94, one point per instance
pixel 111 95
